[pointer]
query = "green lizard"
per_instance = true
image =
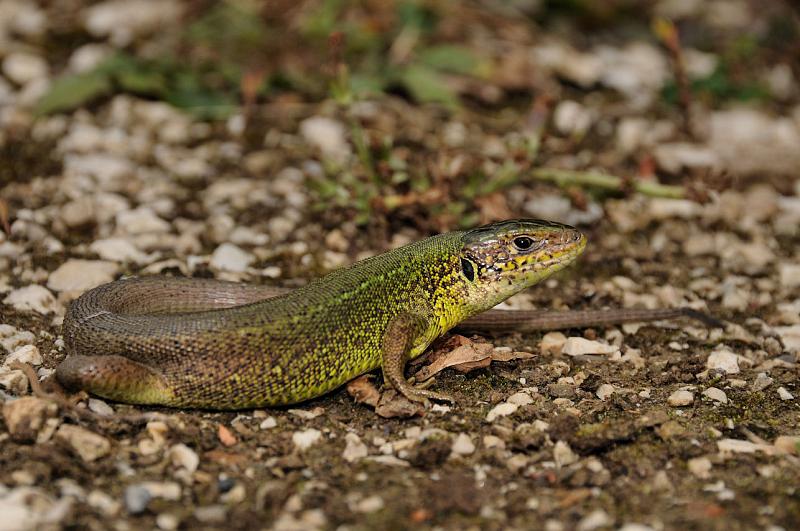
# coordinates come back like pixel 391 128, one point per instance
pixel 221 345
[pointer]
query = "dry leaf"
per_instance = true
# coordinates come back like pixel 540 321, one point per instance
pixel 510 355
pixel 464 355
pixel 362 391
pixel 458 350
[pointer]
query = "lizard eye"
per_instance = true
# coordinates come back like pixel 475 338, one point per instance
pixel 467 269
pixel 523 243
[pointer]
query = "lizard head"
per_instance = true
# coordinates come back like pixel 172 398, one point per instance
pixel 503 258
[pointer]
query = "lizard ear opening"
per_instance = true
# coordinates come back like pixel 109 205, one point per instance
pixel 467 270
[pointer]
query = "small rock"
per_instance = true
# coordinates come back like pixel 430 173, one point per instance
pixel 211 514
pixel 761 382
pixel 268 423
pixel 103 502
pixel 118 250
pixel 354 448
pixel 101 408
pixel 136 498
pixel 680 398
pixel 563 454
pixel 578 346
pixel 88 445
pixel 634 526
pixel 168 521
pixel 552 343
pixel 790 335
pixel 32 298
pixel 595 520
pixel 604 391
pixel 501 410
pixel 752 142
pixel 88 57
pixel 141 220
pixel 183 456
pixel 723 360
pixel 520 399
pixel 572 118
pixel 785 394
pixel 463 445
pixel 327 135
pixel 77 276
pixel 123 20
pixel 370 504
pixel 306 439
pixel 13 381
pixel 675 156
pixel 229 257
pixel 22 68
pixel 789 275
pixel 561 390
pixel 26 416
pixel 700 467
pixel 26 354
pixel 493 441
pixel 716 394
pixel 737 446
pixel 789 444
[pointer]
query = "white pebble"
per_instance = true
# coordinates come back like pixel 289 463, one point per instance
pixel 785 394
pixel 183 456
pixel 501 410
pixel 370 504
pixel 789 274
pixel 141 220
pixel 268 423
pixel 577 346
pixel 700 467
pixel 306 439
pixel 723 360
pixel 604 391
pixel 716 394
pixel 22 68
pixel 463 445
pixel 229 257
pixel 327 135
pixel 595 520
pixel 118 250
pixel 354 449
pixel 100 407
pixel 32 298
pixel 563 454
pixel 761 382
pixel 552 343
pixel 520 399
pixel 80 275
pixel 26 354
pixel 681 397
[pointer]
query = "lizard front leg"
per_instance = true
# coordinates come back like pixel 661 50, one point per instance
pixel 398 340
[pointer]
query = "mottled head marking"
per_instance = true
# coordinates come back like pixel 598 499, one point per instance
pixel 504 258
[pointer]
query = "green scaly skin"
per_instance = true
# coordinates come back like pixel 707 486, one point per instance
pixel 217 345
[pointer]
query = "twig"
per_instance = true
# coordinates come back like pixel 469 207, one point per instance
pixel 666 30
pixel 606 182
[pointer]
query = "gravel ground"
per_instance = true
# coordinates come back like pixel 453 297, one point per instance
pixel 660 426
